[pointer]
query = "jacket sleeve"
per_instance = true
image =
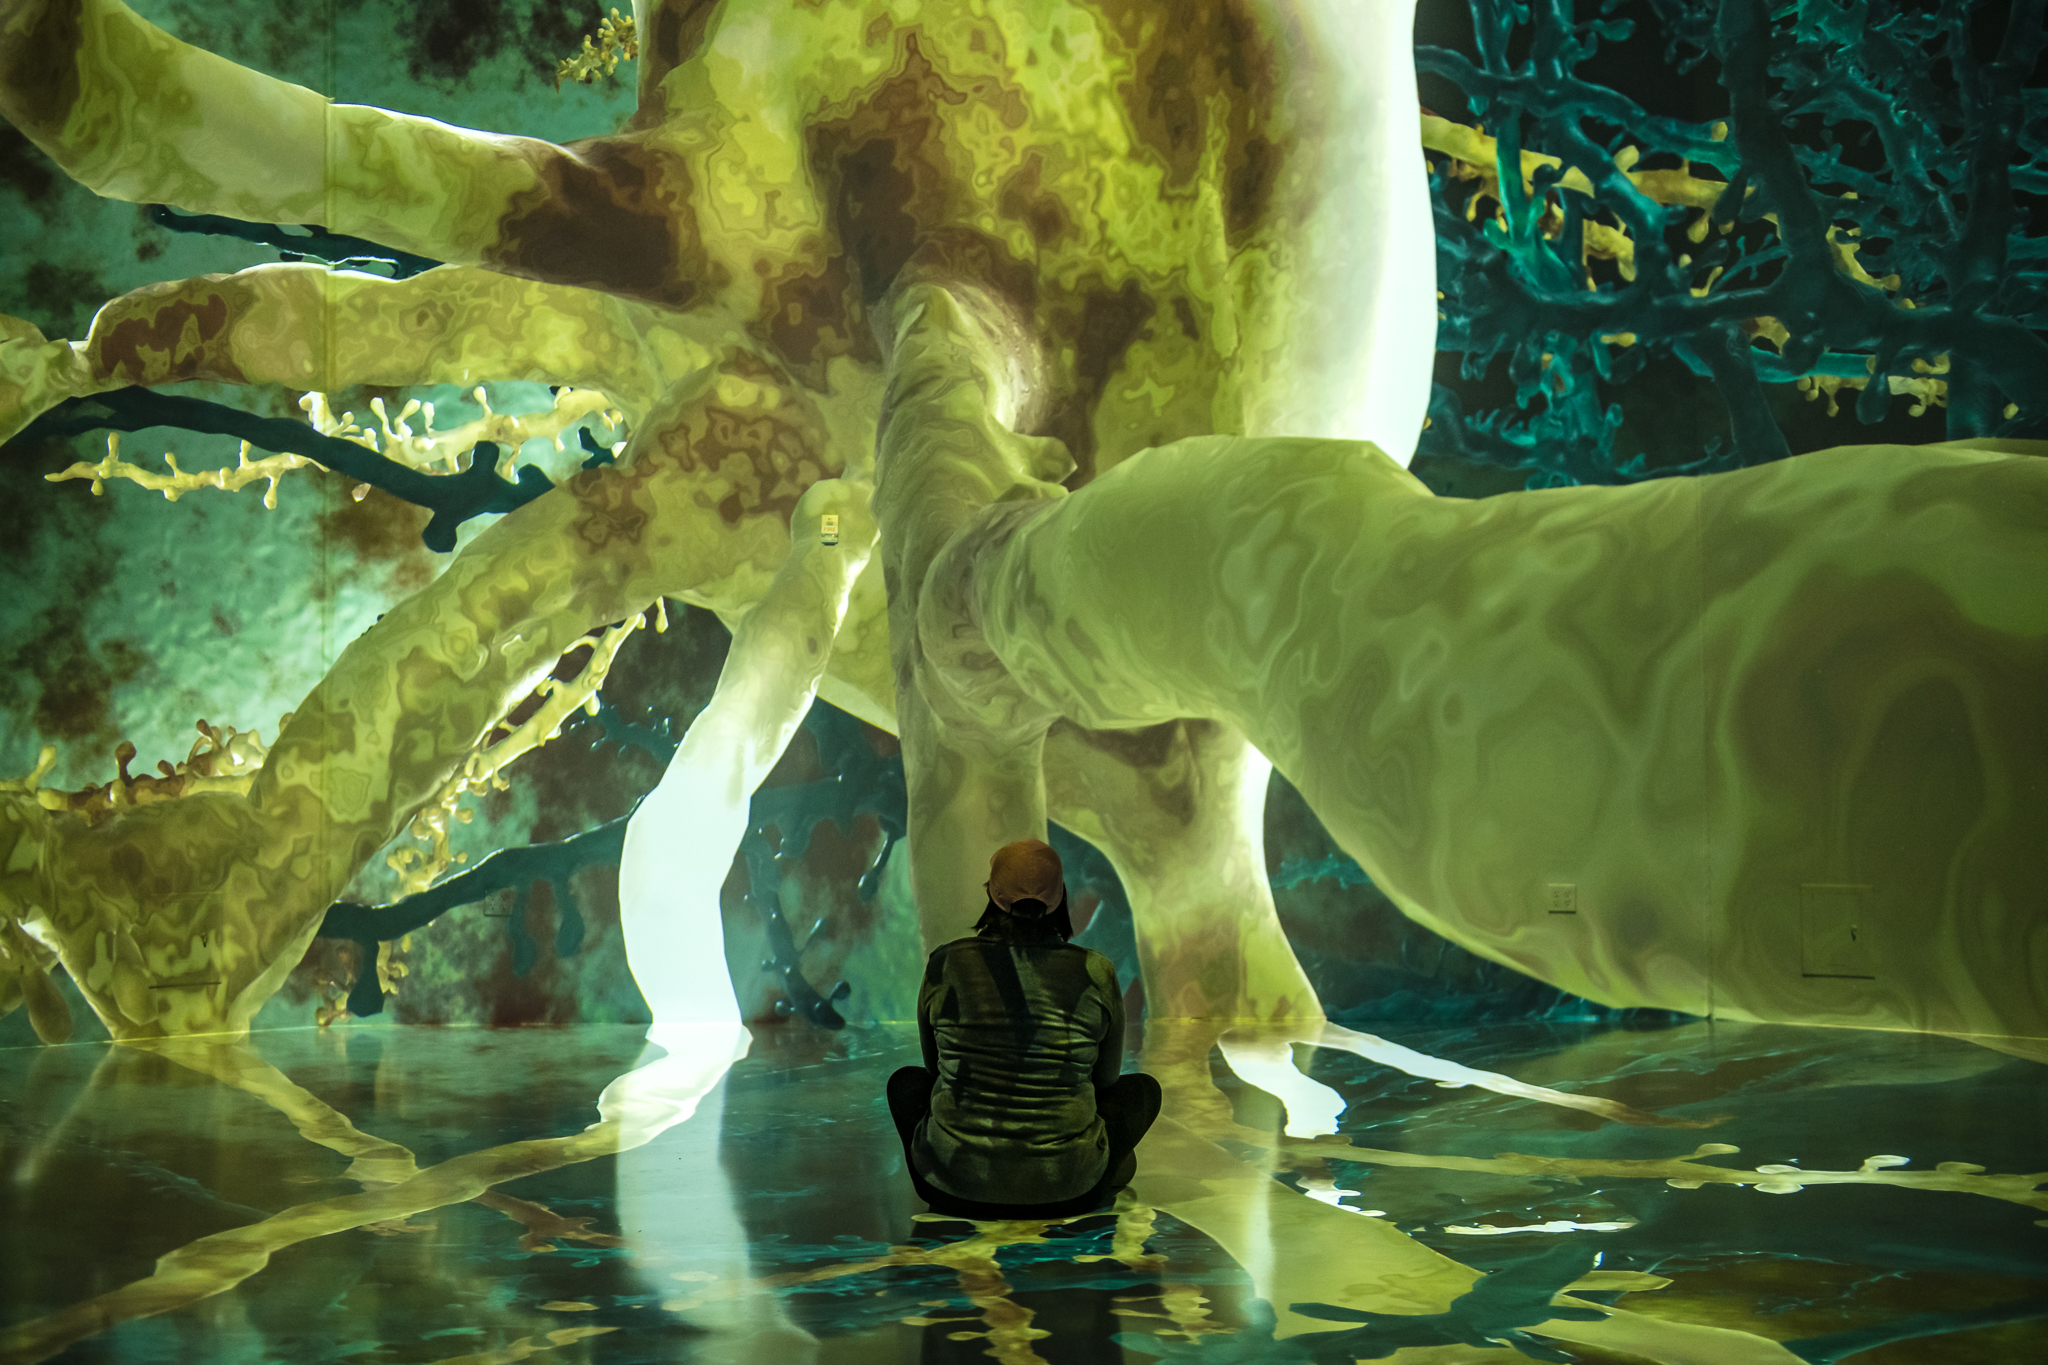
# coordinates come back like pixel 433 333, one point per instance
pixel 1109 1055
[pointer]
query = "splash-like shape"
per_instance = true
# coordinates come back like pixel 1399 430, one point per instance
pixel 1265 1057
pixel 617 41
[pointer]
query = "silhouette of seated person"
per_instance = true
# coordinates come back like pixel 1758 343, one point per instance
pixel 1019 1110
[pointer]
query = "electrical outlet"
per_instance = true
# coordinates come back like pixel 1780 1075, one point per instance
pixel 1564 898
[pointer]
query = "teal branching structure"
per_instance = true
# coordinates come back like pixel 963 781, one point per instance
pixel 452 498
pixel 1871 124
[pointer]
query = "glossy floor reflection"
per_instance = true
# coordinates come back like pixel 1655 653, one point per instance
pixel 1704 1194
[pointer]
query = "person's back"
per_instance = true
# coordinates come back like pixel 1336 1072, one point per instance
pixel 1024 1029
pixel 1019 1109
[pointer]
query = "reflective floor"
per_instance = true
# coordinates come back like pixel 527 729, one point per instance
pixel 1710 1194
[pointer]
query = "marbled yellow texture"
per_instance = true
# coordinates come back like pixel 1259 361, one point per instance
pixel 1687 699
pixel 1030 242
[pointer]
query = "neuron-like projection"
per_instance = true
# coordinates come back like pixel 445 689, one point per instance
pixel 1139 300
pixel 725 273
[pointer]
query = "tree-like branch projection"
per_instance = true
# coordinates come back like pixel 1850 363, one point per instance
pixel 1027 306
pixel 739 344
pixel 1124 316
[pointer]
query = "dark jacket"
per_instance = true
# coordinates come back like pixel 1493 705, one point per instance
pixel 1019 1028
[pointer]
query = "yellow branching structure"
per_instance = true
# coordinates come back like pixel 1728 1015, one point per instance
pixel 179 482
pixel 616 42
pixel 33 781
pixel 483 769
pixel 448 451
pixel 223 760
pixel 427 450
pixel 1473 157
pixel 1925 388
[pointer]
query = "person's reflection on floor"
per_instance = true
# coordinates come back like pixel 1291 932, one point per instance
pixel 1018 1110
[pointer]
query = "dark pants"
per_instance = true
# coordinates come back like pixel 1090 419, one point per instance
pixel 1127 1107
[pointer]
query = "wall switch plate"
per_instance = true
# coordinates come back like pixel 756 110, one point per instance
pixel 1832 940
pixel 1563 898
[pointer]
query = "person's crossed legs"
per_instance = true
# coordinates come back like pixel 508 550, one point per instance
pixel 1128 1107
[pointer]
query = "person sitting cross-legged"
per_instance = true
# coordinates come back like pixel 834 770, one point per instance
pixel 1019 1110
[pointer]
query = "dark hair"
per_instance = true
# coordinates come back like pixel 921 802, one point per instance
pixel 1031 913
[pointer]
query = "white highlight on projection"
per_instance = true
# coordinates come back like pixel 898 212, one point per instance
pixel 1353 359
pixel 676 1202
pixel 1264 1057
pixel 678 1067
pixel 680 841
pixel 1325 1190
pixel 1555 1225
